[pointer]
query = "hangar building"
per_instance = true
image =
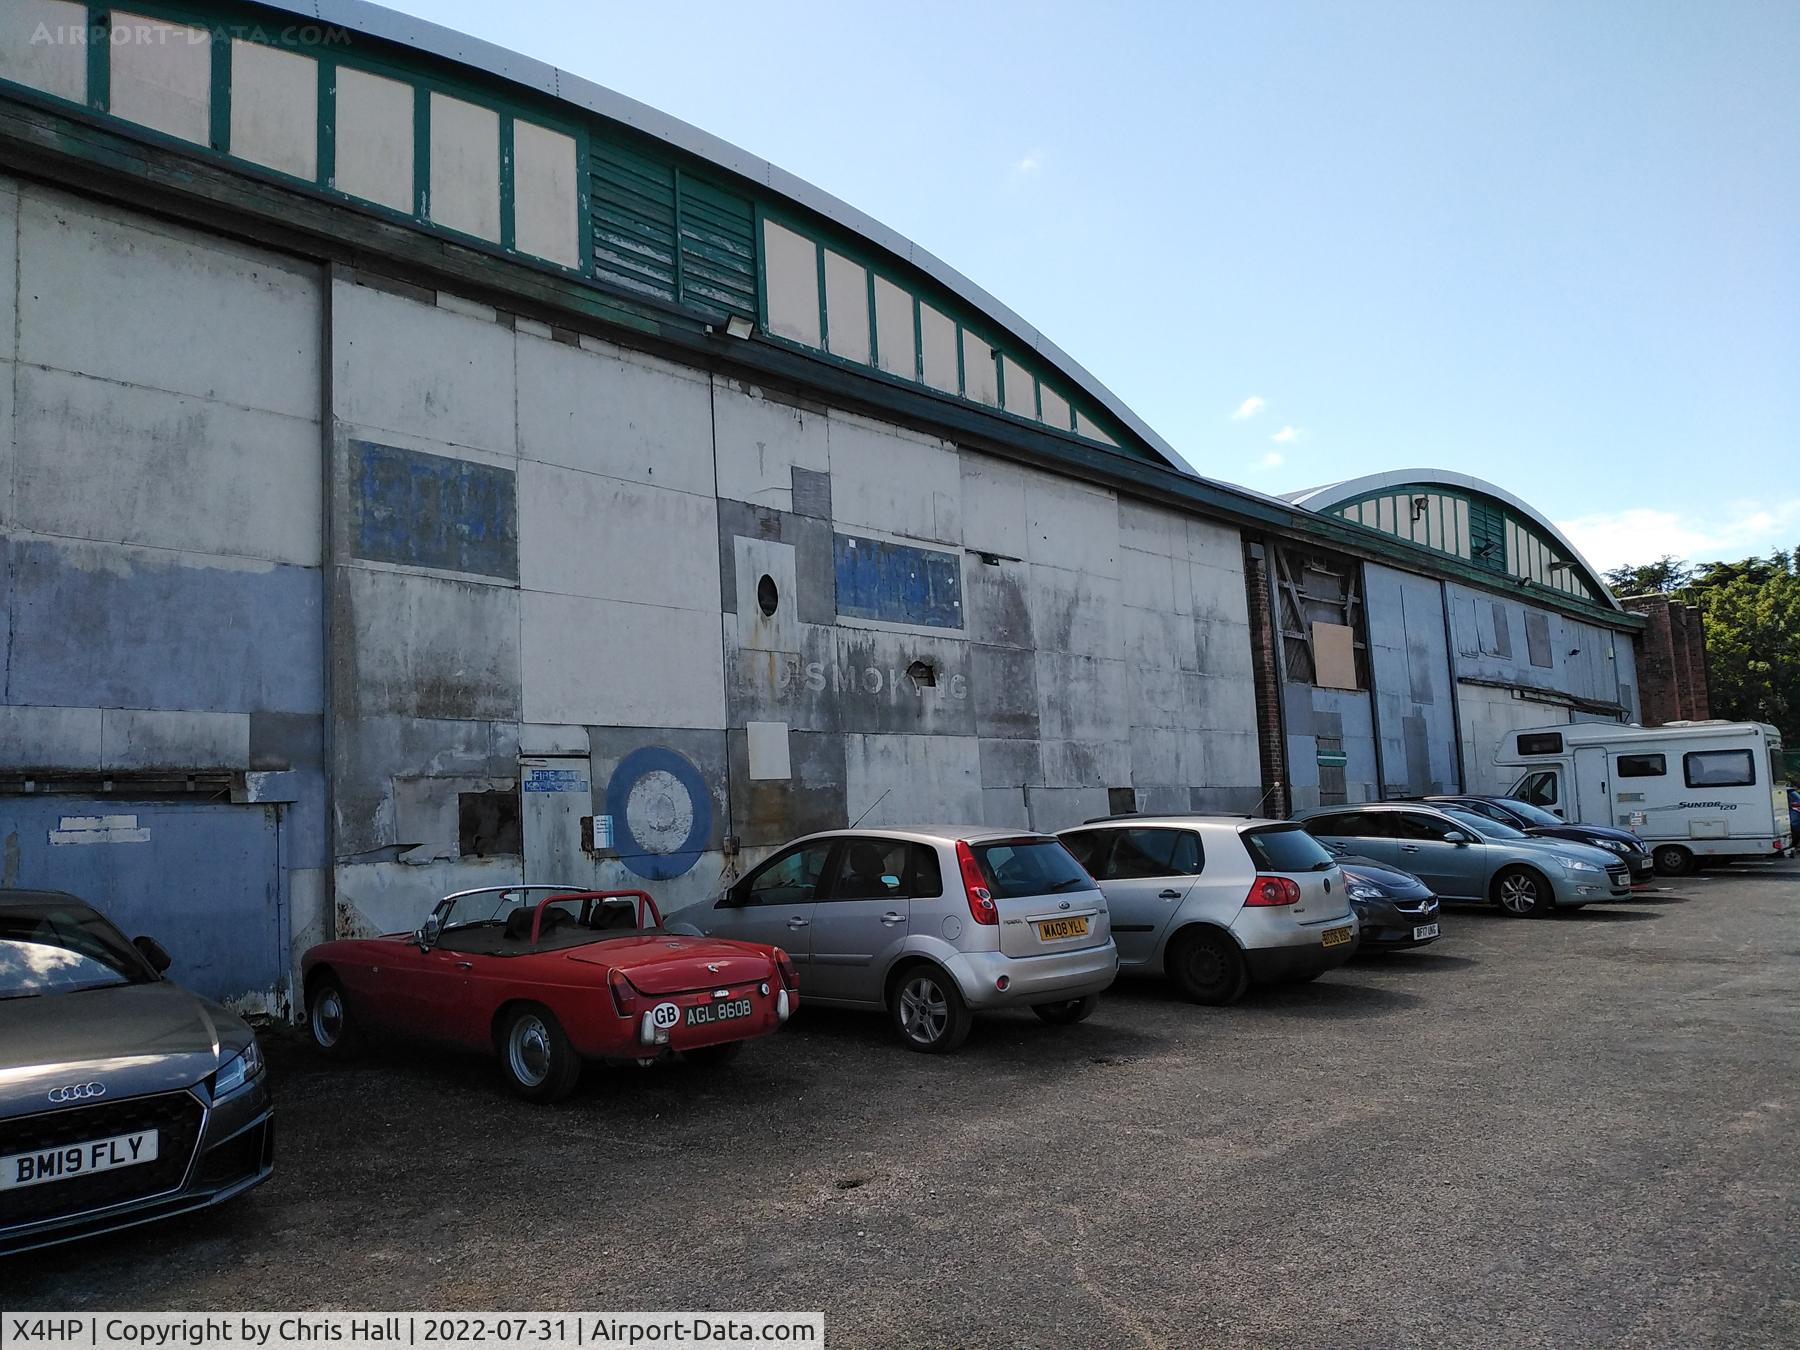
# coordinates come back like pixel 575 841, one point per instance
pixel 422 468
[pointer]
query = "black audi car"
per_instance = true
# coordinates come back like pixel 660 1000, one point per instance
pixel 1534 820
pixel 1393 908
pixel 123 1097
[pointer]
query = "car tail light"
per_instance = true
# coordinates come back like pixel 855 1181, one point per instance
pixel 624 993
pixel 1273 891
pixel 981 899
pixel 790 977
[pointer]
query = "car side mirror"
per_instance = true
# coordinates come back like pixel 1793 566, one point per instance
pixel 1457 837
pixel 152 951
pixel 429 932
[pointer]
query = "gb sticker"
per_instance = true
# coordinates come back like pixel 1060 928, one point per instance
pixel 664 1015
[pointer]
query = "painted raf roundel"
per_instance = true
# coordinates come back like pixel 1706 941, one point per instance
pixel 661 812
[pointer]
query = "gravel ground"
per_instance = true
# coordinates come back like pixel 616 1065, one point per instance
pixel 1575 1131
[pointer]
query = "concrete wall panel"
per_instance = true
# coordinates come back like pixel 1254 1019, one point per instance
pixel 759 441
pixel 100 626
pixel 893 481
pixel 604 411
pixel 204 317
pixel 432 647
pixel 609 663
pixel 107 461
pixel 994 510
pixel 582 534
pixel 133 739
pixel 909 780
pixel 420 371
pixel 1071 526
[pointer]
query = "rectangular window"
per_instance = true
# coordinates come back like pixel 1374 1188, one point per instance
pixel 465 167
pixel 937 333
pixel 847 309
pixel 1543 743
pixel 545 213
pixel 1022 867
pixel 791 279
pixel 980 379
pixel 1285 848
pixel 58 67
pixel 1153 853
pixel 894 331
pixel 1642 766
pixel 275 109
pixel 1719 768
pixel 162 76
pixel 374 139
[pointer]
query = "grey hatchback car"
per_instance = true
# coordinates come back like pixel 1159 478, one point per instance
pixel 123 1097
pixel 1465 857
pixel 932 924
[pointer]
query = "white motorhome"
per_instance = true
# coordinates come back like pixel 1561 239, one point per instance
pixel 1690 790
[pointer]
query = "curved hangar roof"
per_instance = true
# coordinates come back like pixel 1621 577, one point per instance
pixel 1467 518
pixel 515 156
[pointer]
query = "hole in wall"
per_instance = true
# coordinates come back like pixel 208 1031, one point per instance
pixel 922 673
pixel 768 596
pixel 489 823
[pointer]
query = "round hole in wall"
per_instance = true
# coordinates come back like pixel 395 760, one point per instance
pixel 768 595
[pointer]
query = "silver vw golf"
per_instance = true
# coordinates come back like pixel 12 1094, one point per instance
pixel 123 1097
pixel 1463 856
pixel 933 925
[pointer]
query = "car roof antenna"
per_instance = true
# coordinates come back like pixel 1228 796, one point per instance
pixel 871 806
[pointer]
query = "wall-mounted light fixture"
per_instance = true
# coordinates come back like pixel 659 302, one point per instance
pixel 735 325
pixel 1418 507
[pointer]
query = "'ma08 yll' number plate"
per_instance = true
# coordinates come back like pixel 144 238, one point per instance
pixel 710 1014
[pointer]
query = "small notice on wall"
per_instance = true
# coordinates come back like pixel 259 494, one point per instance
pixel 99 830
pixel 555 780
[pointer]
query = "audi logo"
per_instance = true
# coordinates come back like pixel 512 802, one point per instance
pixel 76 1092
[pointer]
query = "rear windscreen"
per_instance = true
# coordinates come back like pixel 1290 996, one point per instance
pixel 1286 848
pixel 1018 867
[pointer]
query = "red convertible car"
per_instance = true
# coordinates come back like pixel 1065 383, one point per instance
pixel 549 977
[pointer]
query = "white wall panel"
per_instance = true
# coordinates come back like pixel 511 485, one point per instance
pixel 1055 408
pixel 895 481
pixel 275 108
pixel 42 44
pixel 608 663
pixel 791 277
pixel 1020 390
pixel 546 200
pixel 846 308
pixel 981 380
pixel 208 318
pixel 583 534
pixel 608 411
pixel 162 76
pixel 374 139
pixel 923 777
pixel 465 167
pixel 760 441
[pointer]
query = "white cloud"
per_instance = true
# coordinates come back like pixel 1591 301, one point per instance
pixel 1249 408
pixel 1030 163
pixel 1286 436
pixel 1641 534
pixel 1273 460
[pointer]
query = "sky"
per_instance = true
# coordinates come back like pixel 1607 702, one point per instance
pixel 1553 245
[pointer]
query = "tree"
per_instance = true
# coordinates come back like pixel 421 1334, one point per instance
pixel 1667 574
pixel 1752 612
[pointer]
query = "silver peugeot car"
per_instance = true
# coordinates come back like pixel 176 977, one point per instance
pixel 123 1097
pixel 933 925
pixel 1466 857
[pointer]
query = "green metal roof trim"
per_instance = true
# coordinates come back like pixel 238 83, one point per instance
pixel 1484 498
pixel 667 211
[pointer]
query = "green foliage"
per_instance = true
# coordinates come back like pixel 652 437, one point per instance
pixel 1752 613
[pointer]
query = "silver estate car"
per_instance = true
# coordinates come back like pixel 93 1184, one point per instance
pixel 123 1098
pixel 1218 903
pixel 1466 857
pixel 932 924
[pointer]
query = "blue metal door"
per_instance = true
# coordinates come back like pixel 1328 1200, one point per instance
pixel 202 878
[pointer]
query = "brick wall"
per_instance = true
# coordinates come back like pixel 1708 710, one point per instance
pixel 1671 660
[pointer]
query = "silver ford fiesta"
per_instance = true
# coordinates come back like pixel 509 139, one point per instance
pixel 123 1097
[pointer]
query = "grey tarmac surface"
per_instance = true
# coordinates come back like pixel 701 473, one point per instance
pixel 1576 1131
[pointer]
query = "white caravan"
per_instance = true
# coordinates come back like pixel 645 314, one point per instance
pixel 1689 789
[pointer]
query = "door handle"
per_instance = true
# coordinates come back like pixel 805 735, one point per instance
pixel 891 918
pixel 465 965
pixel 797 922
pixel 1409 848
pixel 1169 895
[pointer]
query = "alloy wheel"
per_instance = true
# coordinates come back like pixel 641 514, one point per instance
pixel 1519 893
pixel 924 1011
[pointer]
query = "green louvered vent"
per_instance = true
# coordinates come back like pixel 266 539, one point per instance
pixel 1487 536
pixel 634 220
pixel 718 249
